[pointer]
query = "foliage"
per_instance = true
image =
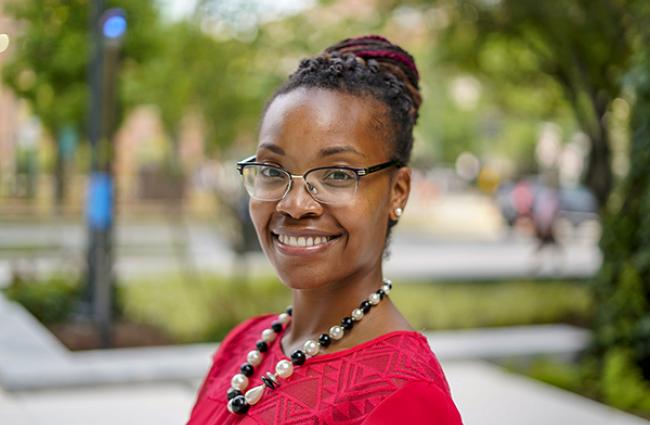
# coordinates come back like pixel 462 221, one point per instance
pixel 202 310
pixel 50 63
pixel 207 309
pixel 622 288
pixel 485 304
pixel 566 375
pixel 622 383
pixel 196 73
pixel 579 49
pixel 50 301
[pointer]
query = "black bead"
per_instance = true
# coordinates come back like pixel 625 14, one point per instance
pixel 277 327
pixel 298 357
pixel 289 311
pixel 390 286
pixel 262 346
pixel 232 393
pixel 247 369
pixel 347 323
pixel 365 306
pixel 269 383
pixel 324 340
pixel 239 405
pixel 381 293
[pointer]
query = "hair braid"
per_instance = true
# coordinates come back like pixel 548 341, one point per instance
pixel 368 65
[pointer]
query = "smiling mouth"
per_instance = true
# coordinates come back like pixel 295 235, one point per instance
pixel 303 241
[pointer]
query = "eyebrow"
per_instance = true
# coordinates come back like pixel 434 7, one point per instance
pixel 333 150
pixel 273 148
pixel 340 149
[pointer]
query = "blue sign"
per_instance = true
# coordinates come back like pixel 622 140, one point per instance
pixel 99 204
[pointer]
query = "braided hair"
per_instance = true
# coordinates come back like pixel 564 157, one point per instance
pixel 367 65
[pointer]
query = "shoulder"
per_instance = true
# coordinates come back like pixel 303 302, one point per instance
pixel 419 402
pixel 387 380
pixel 411 358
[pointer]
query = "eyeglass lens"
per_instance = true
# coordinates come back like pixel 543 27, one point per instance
pixel 326 185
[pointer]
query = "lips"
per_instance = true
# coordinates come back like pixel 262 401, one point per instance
pixel 306 241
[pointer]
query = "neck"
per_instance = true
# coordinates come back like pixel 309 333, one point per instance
pixel 316 310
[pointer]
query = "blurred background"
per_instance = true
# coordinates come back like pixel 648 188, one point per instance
pixel 127 253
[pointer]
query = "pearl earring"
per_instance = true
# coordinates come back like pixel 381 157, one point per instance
pixel 398 211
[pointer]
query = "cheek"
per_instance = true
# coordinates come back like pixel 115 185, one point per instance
pixel 366 221
pixel 260 213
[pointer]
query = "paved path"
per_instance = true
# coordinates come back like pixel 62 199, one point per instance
pixel 160 404
pixel 157 386
pixel 146 249
pixel 487 395
pixel 484 394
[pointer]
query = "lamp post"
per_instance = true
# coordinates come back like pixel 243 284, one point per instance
pixel 108 32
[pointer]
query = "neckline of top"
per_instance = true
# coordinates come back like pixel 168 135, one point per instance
pixel 277 347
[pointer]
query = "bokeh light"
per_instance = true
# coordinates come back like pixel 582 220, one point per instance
pixel 114 26
pixel 4 42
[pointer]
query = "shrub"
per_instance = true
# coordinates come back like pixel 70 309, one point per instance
pixel 50 301
pixel 207 309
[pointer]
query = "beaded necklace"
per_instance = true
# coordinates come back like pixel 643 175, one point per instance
pixel 239 402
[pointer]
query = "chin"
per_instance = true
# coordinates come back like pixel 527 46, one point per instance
pixel 302 277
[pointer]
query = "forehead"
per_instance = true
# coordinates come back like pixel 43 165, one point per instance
pixel 307 120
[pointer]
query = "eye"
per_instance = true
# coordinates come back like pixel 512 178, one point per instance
pixel 339 175
pixel 268 171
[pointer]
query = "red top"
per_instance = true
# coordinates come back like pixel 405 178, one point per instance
pixel 391 379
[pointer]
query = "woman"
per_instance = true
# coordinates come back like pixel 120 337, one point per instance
pixel 327 183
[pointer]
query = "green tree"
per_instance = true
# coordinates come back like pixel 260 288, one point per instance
pixel 580 47
pixel 50 64
pixel 623 286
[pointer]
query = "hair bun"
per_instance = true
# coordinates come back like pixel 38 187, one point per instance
pixel 380 55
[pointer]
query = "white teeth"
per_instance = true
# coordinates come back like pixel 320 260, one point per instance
pixel 302 241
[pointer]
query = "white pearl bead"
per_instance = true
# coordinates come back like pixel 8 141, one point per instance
pixel 336 332
pixel 254 357
pixel 268 335
pixel 386 289
pixel 253 395
pixel 284 368
pixel 374 298
pixel 284 318
pixel 239 381
pixel 230 406
pixel 311 347
pixel 357 314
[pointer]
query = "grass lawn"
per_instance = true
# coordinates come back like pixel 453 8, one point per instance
pixel 206 310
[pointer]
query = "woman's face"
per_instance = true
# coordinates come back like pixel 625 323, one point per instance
pixel 308 128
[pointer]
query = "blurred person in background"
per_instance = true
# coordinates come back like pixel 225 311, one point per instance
pixel 328 182
pixel 544 213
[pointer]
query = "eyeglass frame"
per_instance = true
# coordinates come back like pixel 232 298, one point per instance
pixel 358 171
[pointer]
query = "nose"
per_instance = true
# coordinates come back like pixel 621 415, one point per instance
pixel 298 203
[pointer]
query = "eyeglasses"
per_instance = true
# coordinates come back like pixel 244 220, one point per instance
pixel 327 185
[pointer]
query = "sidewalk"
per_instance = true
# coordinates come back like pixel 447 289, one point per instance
pixel 41 383
pixel 153 249
pixel 487 395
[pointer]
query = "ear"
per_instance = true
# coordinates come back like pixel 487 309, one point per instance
pixel 400 189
